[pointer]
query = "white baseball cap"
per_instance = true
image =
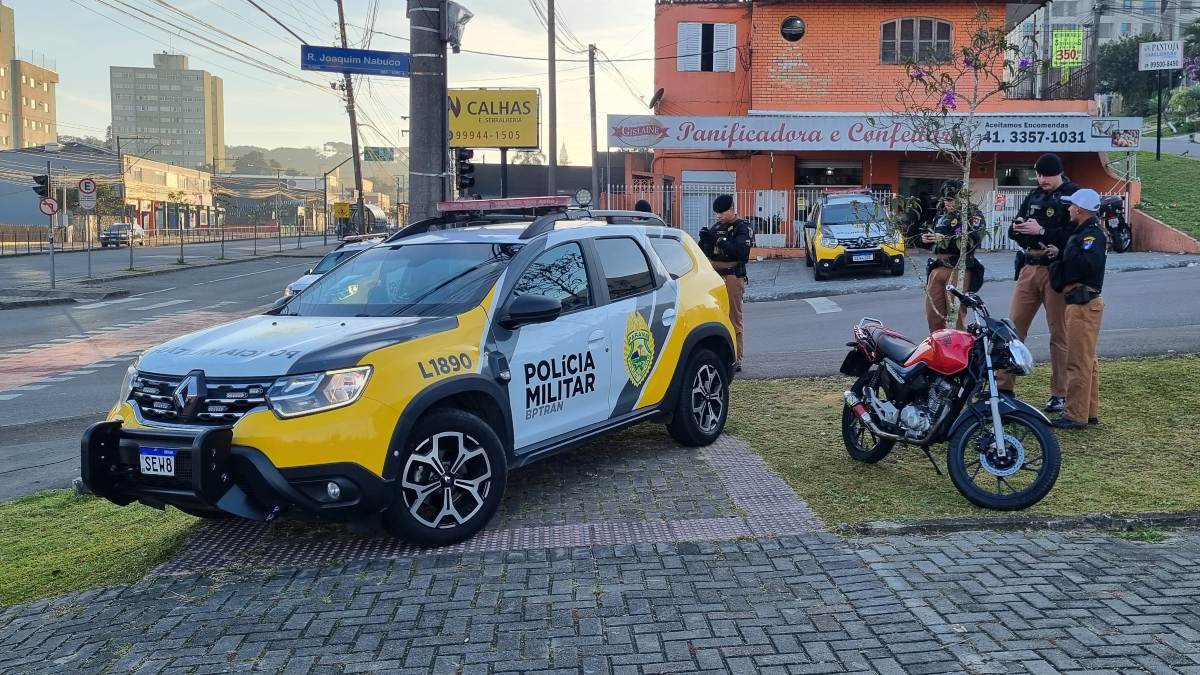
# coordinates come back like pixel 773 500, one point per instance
pixel 1086 199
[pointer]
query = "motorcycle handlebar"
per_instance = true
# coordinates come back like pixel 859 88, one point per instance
pixel 968 299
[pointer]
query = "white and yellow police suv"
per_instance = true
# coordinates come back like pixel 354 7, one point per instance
pixel 412 377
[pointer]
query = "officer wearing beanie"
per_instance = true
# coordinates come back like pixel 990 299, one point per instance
pixel 1078 272
pixel 944 239
pixel 727 245
pixel 1042 221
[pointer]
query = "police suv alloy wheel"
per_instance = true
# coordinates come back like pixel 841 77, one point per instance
pixel 703 403
pixel 451 480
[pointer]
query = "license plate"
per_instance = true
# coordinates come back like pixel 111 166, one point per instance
pixel 862 257
pixel 1112 222
pixel 157 461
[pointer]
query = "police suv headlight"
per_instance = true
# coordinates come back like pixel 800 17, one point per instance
pixel 297 395
pixel 1020 358
pixel 829 241
pixel 127 382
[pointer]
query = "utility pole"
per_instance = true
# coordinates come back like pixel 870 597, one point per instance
pixel 50 194
pixel 552 170
pixel 279 207
pixel 358 184
pixel 592 101
pixel 1094 41
pixel 428 146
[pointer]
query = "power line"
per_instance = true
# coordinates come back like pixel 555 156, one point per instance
pixel 277 21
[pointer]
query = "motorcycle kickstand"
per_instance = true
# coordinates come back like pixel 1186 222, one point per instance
pixel 932 461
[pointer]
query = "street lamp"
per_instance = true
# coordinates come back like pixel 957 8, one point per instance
pixel 325 198
pixel 121 172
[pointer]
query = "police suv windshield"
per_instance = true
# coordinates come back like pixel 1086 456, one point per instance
pixel 430 280
pixel 851 213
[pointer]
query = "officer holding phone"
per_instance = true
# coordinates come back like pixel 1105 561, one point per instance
pixel 1043 220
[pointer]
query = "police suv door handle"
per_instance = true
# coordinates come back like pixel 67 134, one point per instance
pixel 668 317
pixel 596 336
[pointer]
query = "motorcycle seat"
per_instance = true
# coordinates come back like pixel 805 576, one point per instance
pixel 1111 199
pixel 896 347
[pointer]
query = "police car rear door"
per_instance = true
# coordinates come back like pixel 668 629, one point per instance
pixel 559 369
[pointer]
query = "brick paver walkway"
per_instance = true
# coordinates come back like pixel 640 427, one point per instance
pixel 634 556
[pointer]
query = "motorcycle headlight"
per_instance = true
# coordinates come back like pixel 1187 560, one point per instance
pixel 1020 358
pixel 297 395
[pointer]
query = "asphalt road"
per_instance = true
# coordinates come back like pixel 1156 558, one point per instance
pixel 26 270
pixel 41 422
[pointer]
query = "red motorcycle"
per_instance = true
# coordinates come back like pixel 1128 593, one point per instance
pixel 1002 452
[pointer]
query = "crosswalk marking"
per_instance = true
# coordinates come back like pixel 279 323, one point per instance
pixel 76 373
pixel 8 397
pixel 823 305
pixel 107 303
pixel 160 305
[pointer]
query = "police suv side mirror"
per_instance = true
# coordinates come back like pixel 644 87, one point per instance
pixel 530 309
pixel 309 270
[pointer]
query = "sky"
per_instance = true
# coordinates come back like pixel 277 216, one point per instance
pixel 85 37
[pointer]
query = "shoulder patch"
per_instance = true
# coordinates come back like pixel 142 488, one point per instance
pixel 1087 243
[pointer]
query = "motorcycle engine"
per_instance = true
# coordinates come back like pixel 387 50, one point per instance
pixel 918 418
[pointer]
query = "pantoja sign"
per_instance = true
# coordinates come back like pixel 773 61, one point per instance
pixel 1003 133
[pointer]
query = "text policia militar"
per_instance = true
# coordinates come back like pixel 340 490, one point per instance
pixel 551 382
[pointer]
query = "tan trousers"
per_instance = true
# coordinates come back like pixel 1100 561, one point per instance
pixel 937 300
pixel 1033 291
pixel 737 293
pixel 1083 368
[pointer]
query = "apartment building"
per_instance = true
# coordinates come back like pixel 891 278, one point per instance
pixel 1118 18
pixel 27 92
pixel 169 112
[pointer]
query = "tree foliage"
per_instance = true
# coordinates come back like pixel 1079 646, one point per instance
pixel 1117 73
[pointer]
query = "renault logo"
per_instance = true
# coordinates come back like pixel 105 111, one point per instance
pixel 190 394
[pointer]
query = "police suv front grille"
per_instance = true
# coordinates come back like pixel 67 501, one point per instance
pixel 225 401
pixel 862 242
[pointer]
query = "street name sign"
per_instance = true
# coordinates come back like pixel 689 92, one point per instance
pixel 356 61
pixel 1160 55
pixel 379 154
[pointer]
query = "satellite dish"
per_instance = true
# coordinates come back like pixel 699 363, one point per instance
pixel 658 95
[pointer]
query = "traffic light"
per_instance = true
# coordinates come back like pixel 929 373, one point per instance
pixel 464 168
pixel 43 185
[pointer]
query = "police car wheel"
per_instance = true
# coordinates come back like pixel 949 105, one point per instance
pixel 451 480
pixel 703 404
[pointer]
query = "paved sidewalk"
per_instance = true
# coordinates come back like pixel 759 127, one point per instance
pixel 633 556
pixel 786 279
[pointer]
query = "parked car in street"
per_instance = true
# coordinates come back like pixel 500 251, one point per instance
pixel 123 234
pixel 347 250
pixel 849 231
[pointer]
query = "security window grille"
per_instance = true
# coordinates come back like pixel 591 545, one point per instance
pixel 914 39
pixel 707 47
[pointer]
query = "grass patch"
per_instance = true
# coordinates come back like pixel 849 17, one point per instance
pixel 1171 191
pixel 1146 535
pixel 1141 459
pixel 54 542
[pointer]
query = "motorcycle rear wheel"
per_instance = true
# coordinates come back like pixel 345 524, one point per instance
pixel 1122 238
pixel 862 445
pixel 971 463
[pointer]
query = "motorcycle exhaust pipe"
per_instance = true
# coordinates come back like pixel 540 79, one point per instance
pixel 864 415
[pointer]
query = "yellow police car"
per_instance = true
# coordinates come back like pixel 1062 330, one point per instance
pixel 411 378
pixel 848 231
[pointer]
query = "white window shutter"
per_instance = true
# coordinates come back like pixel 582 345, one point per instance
pixel 688 54
pixel 725 47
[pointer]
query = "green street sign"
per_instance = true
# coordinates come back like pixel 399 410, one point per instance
pixel 379 154
pixel 1068 48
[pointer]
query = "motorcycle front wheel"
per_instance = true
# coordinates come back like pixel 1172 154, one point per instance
pixel 1122 238
pixel 1014 479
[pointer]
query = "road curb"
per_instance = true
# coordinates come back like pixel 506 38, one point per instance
pixel 19 302
pixel 1101 521
pixel 191 266
pixel 835 291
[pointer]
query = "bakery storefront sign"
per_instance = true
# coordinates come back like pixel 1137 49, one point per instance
pixel 995 133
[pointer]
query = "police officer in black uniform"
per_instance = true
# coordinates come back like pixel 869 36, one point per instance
pixel 1042 221
pixel 944 239
pixel 727 245
pixel 1078 273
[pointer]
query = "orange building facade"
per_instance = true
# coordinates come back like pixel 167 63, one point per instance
pixel 781 101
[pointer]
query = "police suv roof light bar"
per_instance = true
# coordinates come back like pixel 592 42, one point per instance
pixel 510 203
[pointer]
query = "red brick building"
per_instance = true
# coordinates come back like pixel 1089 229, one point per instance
pixel 780 101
